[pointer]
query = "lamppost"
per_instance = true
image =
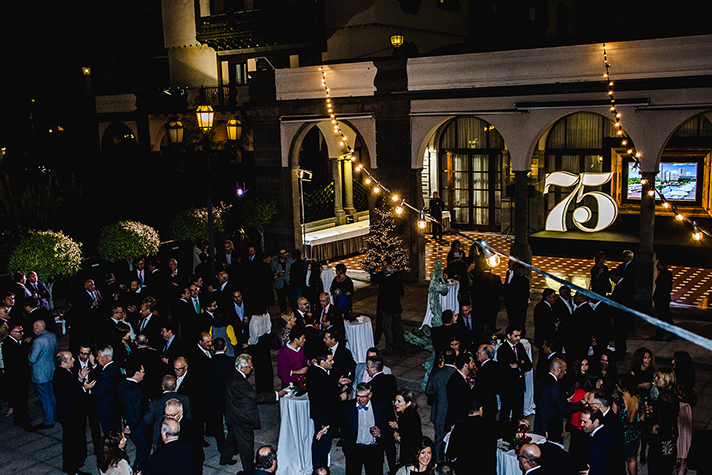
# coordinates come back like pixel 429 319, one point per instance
pixel 303 175
pixel 205 116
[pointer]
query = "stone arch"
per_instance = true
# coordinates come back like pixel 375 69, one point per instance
pixel 119 134
pixel 293 135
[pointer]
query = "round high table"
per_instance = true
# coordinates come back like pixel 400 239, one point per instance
pixel 507 462
pixel 296 431
pixel 529 406
pixel 359 338
pixel 447 302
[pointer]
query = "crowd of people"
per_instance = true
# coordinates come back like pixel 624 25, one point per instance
pixel 163 358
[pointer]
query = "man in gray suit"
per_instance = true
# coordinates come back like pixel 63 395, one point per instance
pixel 44 348
pixel 241 413
pixel 437 389
pixel 281 267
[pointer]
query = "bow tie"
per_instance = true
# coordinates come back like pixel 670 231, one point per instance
pixel 362 408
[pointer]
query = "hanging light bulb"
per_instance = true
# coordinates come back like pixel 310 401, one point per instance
pixel 395 197
pixel 376 189
pixel 679 217
pixel 400 208
pixel 367 181
pixel 359 167
pixel 422 224
pixel 666 205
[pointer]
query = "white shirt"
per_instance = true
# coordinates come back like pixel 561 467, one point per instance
pixel 596 430
pixel 180 380
pixel 366 420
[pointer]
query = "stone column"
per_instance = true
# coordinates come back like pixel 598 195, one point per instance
pixel 521 248
pixel 338 200
pixel 348 187
pixel 645 257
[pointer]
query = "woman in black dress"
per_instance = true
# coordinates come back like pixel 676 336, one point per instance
pixel 407 429
pixel 342 288
pixel 663 431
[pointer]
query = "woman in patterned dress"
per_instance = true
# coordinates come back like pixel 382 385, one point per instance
pixel 628 408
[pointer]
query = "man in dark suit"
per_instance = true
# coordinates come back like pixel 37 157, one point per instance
pixel 212 384
pixel 390 310
pixel 364 428
pixel 17 375
pixel 236 314
pixel 314 346
pixel 437 389
pixel 544 323
pixel 384 389
pixel 459 393
pixel 150 359
pixel 578 330
pixel 175 456
pixel 241 413
pixel 173 346
pixel 135 404
pixel 604 454
pixel 516 294
pixel 549 350
pixel 554 458
pixel 466 329
pixel 38 288
pixel 70 413
pixel 200 353
pixel 550 398
pixel 150 325
pixel 442 336
pixel 86 316
pixel 329 312
pixel 474 431
pixel 86 365
pixel 106 391
pixel 325 403
pixel 514 362
pixel 487 382
pixel 344 363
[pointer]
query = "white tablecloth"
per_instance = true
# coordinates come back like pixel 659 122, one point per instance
pixel 447 302
pixel 529 407
pixel 359 338
pixel 296 431
pixel 259 325
pixel 507 463
pixel 327 277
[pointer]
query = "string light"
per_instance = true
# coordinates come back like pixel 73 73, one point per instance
pixel 697 233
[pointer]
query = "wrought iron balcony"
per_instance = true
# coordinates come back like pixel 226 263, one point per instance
pixel 292 25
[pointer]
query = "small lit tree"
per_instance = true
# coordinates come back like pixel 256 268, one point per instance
pixel 254 211
pixel 53 255
pixel 127 240
pixel 192 223
pixel 381 245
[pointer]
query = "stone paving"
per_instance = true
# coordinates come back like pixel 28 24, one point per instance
pixel 40 453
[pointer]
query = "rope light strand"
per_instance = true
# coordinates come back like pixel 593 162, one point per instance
pixel 697 232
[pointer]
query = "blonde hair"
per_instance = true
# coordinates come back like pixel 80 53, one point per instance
pixel 286 316
pixel 668 375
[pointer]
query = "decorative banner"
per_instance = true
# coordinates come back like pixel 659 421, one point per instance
pixel 607 208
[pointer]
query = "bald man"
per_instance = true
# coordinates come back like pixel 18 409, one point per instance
pixel 550 398
pixel 529 456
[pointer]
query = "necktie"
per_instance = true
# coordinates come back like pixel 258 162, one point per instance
pixel 197 305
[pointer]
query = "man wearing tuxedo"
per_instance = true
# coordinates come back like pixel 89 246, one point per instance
pixel 514 361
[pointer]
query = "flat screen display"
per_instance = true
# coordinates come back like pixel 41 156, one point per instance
pixel 677 181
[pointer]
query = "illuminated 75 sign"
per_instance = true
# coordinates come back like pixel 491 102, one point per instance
pixel 607 208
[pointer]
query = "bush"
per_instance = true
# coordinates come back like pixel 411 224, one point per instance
pixel 53 255
pixel 192 223
pixel 127 239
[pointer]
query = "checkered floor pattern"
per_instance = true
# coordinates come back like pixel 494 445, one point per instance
pixel 691 286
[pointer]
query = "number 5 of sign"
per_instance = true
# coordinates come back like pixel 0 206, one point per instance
pixel 607 208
